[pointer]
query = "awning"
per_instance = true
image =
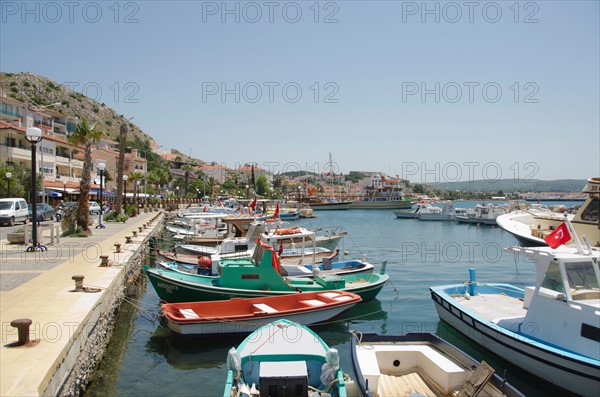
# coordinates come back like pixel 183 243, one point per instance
pixel 69 190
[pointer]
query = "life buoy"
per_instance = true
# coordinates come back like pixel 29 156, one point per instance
pixel 204 262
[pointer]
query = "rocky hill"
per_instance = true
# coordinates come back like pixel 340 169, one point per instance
pixel 34 89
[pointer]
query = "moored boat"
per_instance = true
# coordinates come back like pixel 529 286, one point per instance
pixel 241 315
pixel 382 193
pixel 531 225
pixel 485 214
pixel 420 364
pixel 254 277
pixel 284 359
pixel 550 329
pixel 413 212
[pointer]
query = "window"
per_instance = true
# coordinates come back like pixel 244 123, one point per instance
pixel 581 275
pixel 590 214
pixel 553 279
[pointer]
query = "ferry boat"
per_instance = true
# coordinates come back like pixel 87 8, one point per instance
pixel 382 193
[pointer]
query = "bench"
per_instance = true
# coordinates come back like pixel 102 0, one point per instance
pixel 313 302
pixel 189 313
pixel 264 308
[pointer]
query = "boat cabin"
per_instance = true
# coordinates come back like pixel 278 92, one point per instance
pixel 567 290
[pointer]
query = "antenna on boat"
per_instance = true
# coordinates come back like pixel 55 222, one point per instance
pixel 575 237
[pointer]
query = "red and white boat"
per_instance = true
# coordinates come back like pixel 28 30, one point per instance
pixel 244 315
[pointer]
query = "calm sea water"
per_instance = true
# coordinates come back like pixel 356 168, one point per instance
pixel 145 359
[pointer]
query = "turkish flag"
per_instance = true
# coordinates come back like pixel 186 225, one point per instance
pixel 253 205
pixel 276 213
pixel 558 237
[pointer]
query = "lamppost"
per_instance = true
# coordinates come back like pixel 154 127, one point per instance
pixel 64 191
pixel 137 201
pixel 100 225
pixel 34 136
pixel 247 191
pixel 125 193
pixel 8 175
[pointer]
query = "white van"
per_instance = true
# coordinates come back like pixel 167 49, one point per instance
pixel 13 210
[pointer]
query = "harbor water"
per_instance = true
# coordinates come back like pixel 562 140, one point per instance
pixel 145 359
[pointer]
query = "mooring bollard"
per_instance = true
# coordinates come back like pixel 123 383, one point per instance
pixel 140 229
pixel 134 233
pixel 127 239
pixel 103 260
pixel 117 248
pixel 22 325
pixel 78 282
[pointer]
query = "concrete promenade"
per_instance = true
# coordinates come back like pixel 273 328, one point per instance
pixel 39 286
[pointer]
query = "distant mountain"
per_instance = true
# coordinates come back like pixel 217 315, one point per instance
pixel 510 185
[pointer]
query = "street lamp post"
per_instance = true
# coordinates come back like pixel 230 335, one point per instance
pixel 125 194
pixel 8 175
pixel 64 191
pixel 137 201
pixel 34 136
pixel 101 167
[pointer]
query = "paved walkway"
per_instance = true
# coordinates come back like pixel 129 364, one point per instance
pixel 38 286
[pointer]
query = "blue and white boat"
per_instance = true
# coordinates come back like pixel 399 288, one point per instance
pixel 551 329
pixel 284 358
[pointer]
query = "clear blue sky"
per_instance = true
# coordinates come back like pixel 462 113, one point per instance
pixel 452 90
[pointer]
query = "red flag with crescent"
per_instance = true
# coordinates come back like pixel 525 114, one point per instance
pixel 253 205
pixel 558 237
pixel 276 213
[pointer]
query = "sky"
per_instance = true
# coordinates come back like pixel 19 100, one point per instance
pixel 432 91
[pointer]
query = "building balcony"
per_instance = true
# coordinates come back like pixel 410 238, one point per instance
pixel 60 122
pixel 11 114
pixel 14 153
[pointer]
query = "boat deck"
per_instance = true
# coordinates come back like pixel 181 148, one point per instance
pixel 410 384
pixel 494 307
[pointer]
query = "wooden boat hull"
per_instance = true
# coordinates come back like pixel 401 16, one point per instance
pixel 373 355
pixel 560 367
pixel 173 286
pixel 244 315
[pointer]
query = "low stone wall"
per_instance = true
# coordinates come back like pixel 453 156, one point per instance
pixel 89 345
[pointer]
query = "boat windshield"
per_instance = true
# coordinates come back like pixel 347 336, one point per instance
pixel 553 279
pixel 590 213
pixel 581 276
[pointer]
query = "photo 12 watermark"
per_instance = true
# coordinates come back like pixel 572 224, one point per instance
pixel 454 171
pixel 491 12
pixel 118 92
pixel 70 11
pixel 469 92
pixel 252 12
pixel 269 92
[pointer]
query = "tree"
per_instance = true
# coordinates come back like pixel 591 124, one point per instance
pixel 121 167
pixel 262 185
pixel 187 168
pixel 134 177
pixel 86 136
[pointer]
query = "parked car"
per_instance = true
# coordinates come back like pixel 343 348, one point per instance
pixel 94 207
pixel 44 211
pixel 13 210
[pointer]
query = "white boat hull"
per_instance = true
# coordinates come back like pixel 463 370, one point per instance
pixel 553 367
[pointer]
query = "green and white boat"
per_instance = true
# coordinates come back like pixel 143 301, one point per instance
pixel 284 358
pixel 254 277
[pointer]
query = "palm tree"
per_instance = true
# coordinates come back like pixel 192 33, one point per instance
pixel 121 167
pixel 187 168
pixel 86 136
pixel 134 177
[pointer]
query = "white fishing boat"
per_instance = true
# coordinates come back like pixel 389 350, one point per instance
pixel 531 225
pixel 448 212
pixel 550 329
pixel 482 214
pixel 413 212
pixel 420 364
